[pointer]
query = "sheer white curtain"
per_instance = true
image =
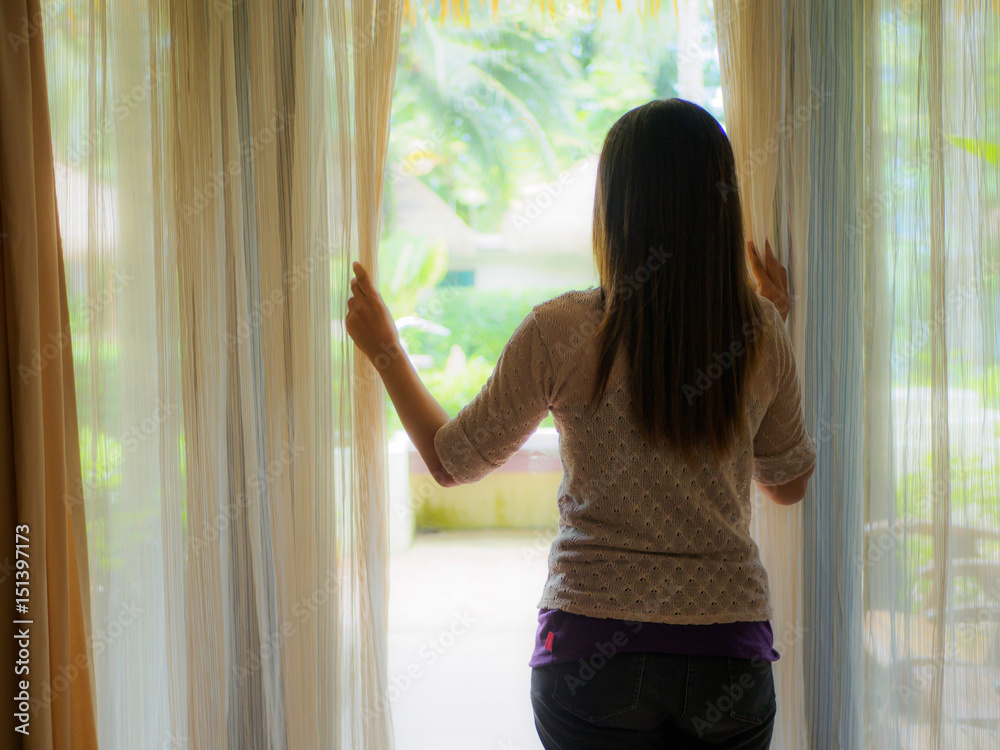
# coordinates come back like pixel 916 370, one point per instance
pixel 929 219
pixel 768 102
pixel 218 166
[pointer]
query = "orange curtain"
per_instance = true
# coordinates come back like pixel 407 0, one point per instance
pixel 43 548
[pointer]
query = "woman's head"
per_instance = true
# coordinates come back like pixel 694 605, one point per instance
pixel 669 248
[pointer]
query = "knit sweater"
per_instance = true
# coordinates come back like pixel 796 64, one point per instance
pixel 641 536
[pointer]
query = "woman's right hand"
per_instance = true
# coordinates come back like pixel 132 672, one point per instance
pixel 771 278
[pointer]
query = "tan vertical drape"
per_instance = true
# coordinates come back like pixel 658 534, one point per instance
pixel 39 450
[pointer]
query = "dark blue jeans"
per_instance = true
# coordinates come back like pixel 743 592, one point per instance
pixel 647 700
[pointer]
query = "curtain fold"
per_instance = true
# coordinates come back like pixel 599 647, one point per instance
pixel 834 394
pixel 221 165
pixel 768 103
pixel 48 680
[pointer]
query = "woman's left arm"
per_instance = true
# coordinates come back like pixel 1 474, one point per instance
pixel 372 328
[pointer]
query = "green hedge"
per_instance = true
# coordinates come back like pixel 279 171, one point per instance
pixel 480 324
pixel 480 321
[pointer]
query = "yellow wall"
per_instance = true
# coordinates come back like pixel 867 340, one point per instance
pixel 503 499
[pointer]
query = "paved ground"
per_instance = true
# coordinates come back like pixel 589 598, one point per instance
pixel 462 620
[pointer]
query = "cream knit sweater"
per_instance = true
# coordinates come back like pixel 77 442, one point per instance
pixel 641 537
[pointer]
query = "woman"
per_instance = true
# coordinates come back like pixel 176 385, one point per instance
pixel 673 386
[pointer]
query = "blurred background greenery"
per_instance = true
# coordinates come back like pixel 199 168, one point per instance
pixel 458 91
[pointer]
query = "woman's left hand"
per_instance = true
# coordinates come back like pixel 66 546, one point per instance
pixel 771 278
pixel 368 321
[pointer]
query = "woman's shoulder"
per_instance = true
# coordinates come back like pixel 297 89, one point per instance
pixel 770 320
pixel 570 309
pixel 774 346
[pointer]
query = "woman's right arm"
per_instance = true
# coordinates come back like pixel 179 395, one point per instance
pixel 784 454
pixel 772 284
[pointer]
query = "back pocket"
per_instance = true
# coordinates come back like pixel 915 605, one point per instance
pixel 751 685
pixel 594 692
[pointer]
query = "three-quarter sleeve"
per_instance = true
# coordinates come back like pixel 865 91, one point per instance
pixel 515 399
pixel 782 448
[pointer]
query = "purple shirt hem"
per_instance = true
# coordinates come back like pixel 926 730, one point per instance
pixel 573 637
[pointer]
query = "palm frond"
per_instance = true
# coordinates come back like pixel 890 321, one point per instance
pixel 458 10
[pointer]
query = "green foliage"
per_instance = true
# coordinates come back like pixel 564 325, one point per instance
pixel 974 500
pixel 975 503
pixel 988 151
pixel 987 385
pixel 459 88
pixel 457 385
pixel 101 460
pixel 480 321
pixel 974 491
pixel 416 264
pixel 613 85
pixel 627 61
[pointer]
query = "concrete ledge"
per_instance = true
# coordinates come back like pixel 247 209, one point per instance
pixel 519 495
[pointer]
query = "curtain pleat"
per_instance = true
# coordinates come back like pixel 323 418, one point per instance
pixel 372 106
pixel 768 102
pixel 833 378
pixel 48 681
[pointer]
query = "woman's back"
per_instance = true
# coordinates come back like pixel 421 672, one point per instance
pixel 642 535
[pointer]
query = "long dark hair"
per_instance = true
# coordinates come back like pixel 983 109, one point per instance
pixel 677 293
